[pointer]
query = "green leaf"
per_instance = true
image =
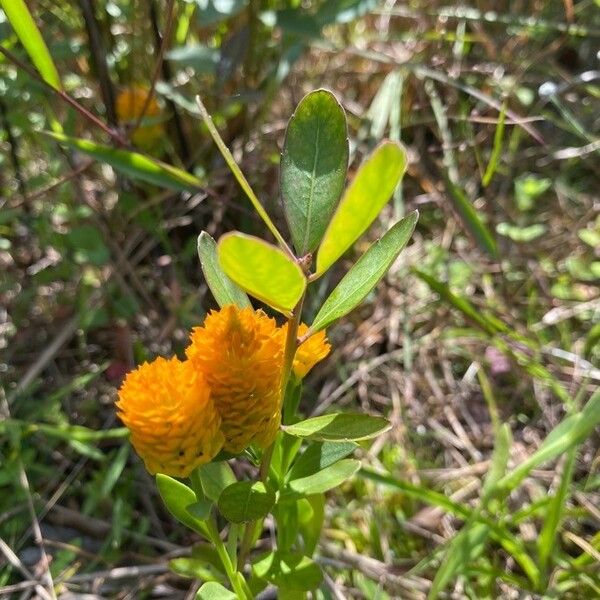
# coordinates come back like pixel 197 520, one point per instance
pixel 311 516
pixel 461 552
pixel 366 273
pixel 339 427
pixel 246 501
pixel 521 234
pixel 570 432
pixel 177 497
pixel 214 478
pixel 29 35
pixel 211 590
pixel 194 568
pixel 371 188
pixel 469 216
pixel 318 456
pixel 221 286
pixel 326 479
pixel 200 509
pixel 313 167
pixel 262 270
pixel 133 164
pixel 288 571
pixel 546 541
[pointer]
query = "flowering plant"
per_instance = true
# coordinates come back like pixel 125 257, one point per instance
pixel 238 392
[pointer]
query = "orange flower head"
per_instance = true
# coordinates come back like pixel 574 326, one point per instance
pixel 310 352
pixel 129 105
pixel 240 355
pixel 168 409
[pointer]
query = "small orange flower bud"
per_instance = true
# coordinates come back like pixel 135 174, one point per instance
pixel 129 105
pixel 240 355
pixel 310 352
pixel 174 425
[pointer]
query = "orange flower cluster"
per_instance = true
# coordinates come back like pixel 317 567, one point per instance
pixel 227 394
pixel 129 105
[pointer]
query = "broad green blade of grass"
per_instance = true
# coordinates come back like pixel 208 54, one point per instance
pixel 547 539
pixel 496 149
pixel 369 191
pixel 464 549
pixel 133 164
pixel 489 324
pixel 29 35
pixel 470 542
pixel 570 432
pixel 471 219
pixel 509 542
pixel 313 167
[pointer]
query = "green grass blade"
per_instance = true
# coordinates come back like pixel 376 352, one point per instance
pixel 570 432
pixel 555 510
pixel 496 149
pixel 29 35
pixel 133 164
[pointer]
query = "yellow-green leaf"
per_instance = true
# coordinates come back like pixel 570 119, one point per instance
pixel 223 289
pixel 133 164
pixel 262 270
pixel 29 35
pixel 371 188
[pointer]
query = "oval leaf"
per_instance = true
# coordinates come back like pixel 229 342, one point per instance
pixel 366 273
pixel 29 35
pixel 326 479
pixel 371 188
pixel 211 590
pixel 221 286
pixel 313 167
pixel 133 164
pixel 246 501
pixel 339 427
pixel 262 270
pixel 214 478
pixel 177 497
pixel 318 456
pixel 289 571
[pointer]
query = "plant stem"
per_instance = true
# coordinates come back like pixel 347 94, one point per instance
pixel 231 572
pixel 237 172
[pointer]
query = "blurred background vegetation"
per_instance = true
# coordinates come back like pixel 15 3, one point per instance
pixel 484 335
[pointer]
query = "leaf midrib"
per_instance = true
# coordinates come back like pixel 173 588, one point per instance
pixel 312 187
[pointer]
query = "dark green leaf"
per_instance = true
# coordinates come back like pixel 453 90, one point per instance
pixel 214 478
pixel 318 456
pixel 327 479
pixel 246 501
pixel 223 289
pixel 366 273
pixel 313 167
pixel 471 219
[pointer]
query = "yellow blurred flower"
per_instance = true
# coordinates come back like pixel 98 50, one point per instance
pixel 240 354
pixel 174 425
pixel 129 105
pixel 310 352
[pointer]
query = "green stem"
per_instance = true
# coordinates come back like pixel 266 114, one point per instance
pixel 232 573
pixel 237 172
